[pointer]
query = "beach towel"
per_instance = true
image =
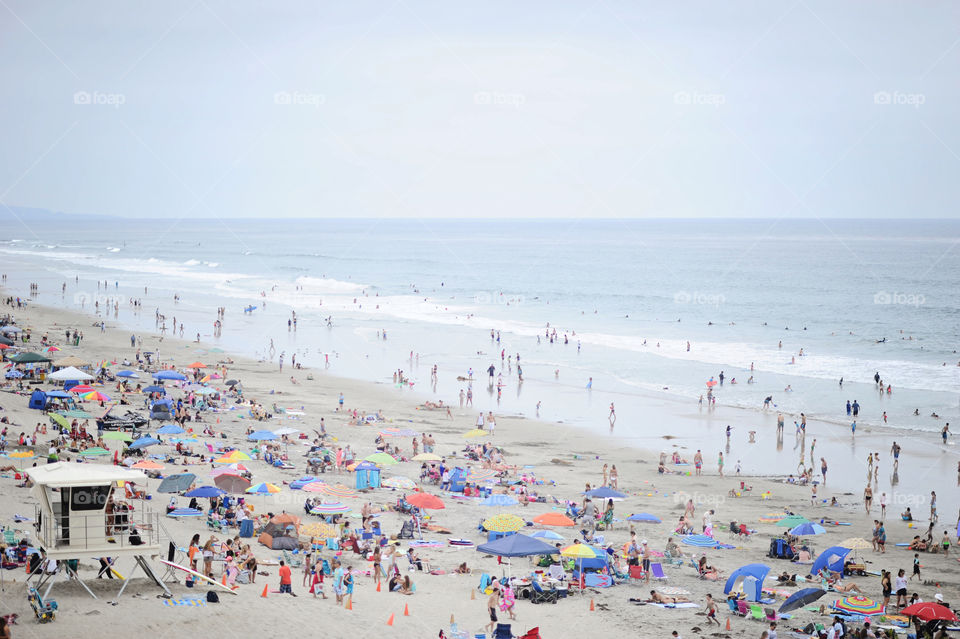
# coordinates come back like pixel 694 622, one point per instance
pixel 685 604
pixel 185 601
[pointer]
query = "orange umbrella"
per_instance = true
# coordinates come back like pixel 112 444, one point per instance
pixel 197 365
pixel 554 519
pixel 146 464
pixel 425 500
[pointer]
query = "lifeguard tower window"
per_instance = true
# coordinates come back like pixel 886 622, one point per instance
pixel 89 497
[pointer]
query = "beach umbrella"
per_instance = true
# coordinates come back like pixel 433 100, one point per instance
pixel 204 491
pixel 233 457
pixel 94 452
pixel 929 611
pixel 128 374
pixel 855 543
pixel 398 432
pixel 79 413
pixel 398 482
pixel 280 432
pixel 234 484
pixel 59 419
pixel 339 490
pixel 13 374
pixel 553 519
pixel 197 365
pixel 231 382
pixel 579 552
pixel 176 483
pixel 96 396
pixel 808 529
pixel 772 518
pixel 155 389
pixel 10 329
pixel 516 546
pixel 499 500
pixel 380 459
pixel 604 493
pixel 547 534
pixel 314 486
pixel 185 512
pixel 645 517
pixel 859 605
pixel 80 389
pixel 802 598
pixel 147 464
pixel 263 488
pixel 52 349
pixel 261 435
pixel 476 432
pixel 117 435
pixel 504 523
pixel 170 429
pixel 426 501
pixel 792 521
pixel 333 508
pixel 169 374
pixel 22 454
pixel 427 457
pixel 702 541
pixel 144 442
pixel 484 475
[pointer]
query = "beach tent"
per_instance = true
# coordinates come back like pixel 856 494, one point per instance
pixel 162 410
pixel 831 559
pixel 275 537
pixel 40 400
pixel 749 578
pixel 177 483
pixel 70 360
pixel 458 478
pixel 517 546
pixel 368 475
pixel 169 374
pixel 604 493
pixel 70 374
pixel 28 358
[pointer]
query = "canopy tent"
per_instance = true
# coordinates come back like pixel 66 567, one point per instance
pixel 604 493
pixel 517 546
pixel 177 483
pixel 70 374
pixel 28 357
pixel 750 579
pixel 170 374
pixel 368 475
pixel 279 536
pixel 831 559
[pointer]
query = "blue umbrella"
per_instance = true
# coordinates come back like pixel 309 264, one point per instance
pixel 499 500
pixel 185 512
pixel 205 491
pixel 143 442
pixel 130 374
pixel 653 519
pixel 170 429
pixel 801 598
pixel 517 545
pixel 154 389
pixel 176 483
pixel 808 529
pixel 702 541
pixel 168 374
pixel 547 534
pixel 261 435
pixel 605 493
pixel 13 374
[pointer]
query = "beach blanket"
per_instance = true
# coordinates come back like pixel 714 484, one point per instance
pixel 185 601
pixel 425 543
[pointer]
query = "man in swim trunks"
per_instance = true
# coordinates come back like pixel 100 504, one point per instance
pixel 698 461
pixel 492 602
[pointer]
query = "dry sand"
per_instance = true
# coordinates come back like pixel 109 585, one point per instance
pixel 524 441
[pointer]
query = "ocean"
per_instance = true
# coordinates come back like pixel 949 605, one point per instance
pixel 859 297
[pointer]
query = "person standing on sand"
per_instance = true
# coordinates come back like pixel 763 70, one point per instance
pixel 461 398
pixel 605 471
pixel 286 585
pixel 823 469
pixel 720 464
pixel 492 602
pixel 615 479
pixel 779 424
pixel 698 462
pixel 867 498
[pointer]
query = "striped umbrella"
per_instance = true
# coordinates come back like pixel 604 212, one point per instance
pixel 233 457
pixel 808 529
pixel 504 523
pixel 82 388
pixel 333 508
pixel 262 488
pixel 146 464
pixel 482 475
pixel 185 512
pixel 702 541
pixel 772 518
pixel 399 482
pixel 336 491
pixel 95 396
pixel 859 605
pixel 314 486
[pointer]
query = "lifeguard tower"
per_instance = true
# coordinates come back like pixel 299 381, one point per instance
pixel 73 522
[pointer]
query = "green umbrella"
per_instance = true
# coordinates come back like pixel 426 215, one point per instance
pixel 59 419
pixel 380 459
pixel 94 452
pixel 117 435
pixel 792 521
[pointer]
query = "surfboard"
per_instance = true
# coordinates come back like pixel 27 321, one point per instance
pixel 197 575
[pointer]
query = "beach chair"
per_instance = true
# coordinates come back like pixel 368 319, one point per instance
pixel 45 611
pixel 555 571
pixel 10 537
pixel 742 608
pixel 456 633
pixel 538 595
pixel 293 562
pixel 636 572
pixel 756 612
pixel 771 614
pixel 503 631
pixel 673 561
pixel 656 569
pixel 533 633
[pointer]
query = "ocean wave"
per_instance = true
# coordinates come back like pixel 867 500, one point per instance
pixel 321 285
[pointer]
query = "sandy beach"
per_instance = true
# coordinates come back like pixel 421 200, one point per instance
pixel 563 460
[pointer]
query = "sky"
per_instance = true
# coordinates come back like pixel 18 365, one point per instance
pixel 403 108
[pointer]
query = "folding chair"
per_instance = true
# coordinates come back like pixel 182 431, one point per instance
pixel 636 572
pixel 539 595
pixel 503 631
pixel 555 571
pixel 656 569
pixel 756 612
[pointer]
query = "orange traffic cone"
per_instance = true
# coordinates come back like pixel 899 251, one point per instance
pixel 473 595
pixel 264 593
pixel 728 623
pixel 378 586
pixel 451 619
pixel 592 608
pixel 350 603
pixel 390 620
pixel 406 610
pixel 224 579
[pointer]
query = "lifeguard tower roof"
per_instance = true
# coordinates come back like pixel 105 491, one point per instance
pixel 62 474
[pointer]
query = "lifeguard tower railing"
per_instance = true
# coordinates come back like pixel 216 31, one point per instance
pixel 85 533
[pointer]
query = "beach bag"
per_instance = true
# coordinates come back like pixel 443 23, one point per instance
pixel 212 597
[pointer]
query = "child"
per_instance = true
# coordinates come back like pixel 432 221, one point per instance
pixel 711 610
pixel 916 566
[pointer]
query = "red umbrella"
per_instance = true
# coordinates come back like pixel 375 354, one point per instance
pixel 82 388
pixel 425 500
pixel 929 611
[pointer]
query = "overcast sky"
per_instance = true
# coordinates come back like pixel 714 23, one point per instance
pixel 482 109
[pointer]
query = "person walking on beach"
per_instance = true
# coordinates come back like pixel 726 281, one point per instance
pixel 933 507
pixel 720 464
pixel 711 610
pixel 492 602
pixel 613 415
pixel 286 585
pixel 779 424
pixel 856 409
pixel 823 469
pixel 883 505
pixel 462 396
pixel 698 462
pixel 945 433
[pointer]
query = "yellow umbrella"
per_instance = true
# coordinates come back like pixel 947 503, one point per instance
pixel 233 457
pixel 23 454
pixel 505 523
pixel 427 457
pixel 856 543
pixel 578 551
pixel 476 432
